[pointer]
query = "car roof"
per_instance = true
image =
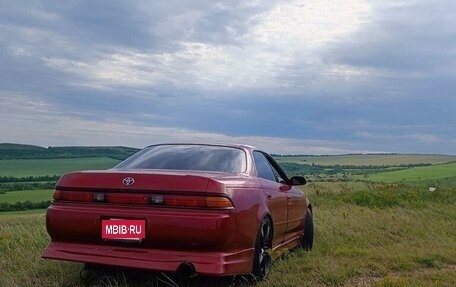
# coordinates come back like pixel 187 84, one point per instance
pixel 241 146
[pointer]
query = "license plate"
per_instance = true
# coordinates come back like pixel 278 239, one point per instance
pixel 123 229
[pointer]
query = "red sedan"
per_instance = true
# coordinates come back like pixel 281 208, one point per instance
pixel 190 208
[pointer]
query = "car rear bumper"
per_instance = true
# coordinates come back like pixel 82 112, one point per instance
pixel 205 238
pixel 206 263
pixel 166 228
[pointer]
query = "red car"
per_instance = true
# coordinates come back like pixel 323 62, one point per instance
pixel 190 208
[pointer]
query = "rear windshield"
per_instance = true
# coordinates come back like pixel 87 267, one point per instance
pixel 188 157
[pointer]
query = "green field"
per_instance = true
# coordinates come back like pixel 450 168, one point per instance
pixel 26 195
pixel 17 215
pixel 369 159
pixel 356 244
pixel 383 230
pixel 434 172
pixel 37 167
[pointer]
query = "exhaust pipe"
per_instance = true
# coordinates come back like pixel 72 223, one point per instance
pixel 186 270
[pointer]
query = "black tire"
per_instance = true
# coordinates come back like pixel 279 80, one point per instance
pixel 308 237
pixel 262 259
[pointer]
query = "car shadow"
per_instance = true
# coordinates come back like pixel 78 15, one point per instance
pixel 110 276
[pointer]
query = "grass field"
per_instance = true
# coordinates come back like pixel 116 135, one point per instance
pixel 369 159
pixel 356 244
pixel 434 172
pixel 37 167
pixel 24 195
pixel 17 216
pixel 388 232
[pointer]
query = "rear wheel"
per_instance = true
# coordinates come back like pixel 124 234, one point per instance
pixel 262 259
pixel 308 237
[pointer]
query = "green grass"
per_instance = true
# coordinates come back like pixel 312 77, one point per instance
pixel 381 195
pixel 37 167
pixel 24 195
pixel 6 216
pixel 369 159
pixel 367 234
pixel 357 243
pixel 22 240
pixel 434 172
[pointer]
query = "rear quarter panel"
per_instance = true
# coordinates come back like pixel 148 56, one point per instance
pixel 250 206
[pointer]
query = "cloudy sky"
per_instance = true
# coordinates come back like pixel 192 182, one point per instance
pixel 298 76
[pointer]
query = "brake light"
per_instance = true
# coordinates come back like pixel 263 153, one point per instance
pixel 170 200
pixel 218 202
pixel 184 201
pixel 198 201
pixel 56 195
pixel 60 195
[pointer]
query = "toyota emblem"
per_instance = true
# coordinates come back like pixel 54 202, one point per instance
pixel 128 181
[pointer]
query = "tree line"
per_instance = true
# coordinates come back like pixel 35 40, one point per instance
pixel 31 178
pixel 119 153
pixel 14 186
pixel 11 183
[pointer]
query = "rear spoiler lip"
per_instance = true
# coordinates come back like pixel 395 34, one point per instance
pixel 122 190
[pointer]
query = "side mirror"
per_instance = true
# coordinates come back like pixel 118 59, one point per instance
pixel 298 180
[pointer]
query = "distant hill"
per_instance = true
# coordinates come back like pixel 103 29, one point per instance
pixel 368 159
pixel 13 146
pixel 19 151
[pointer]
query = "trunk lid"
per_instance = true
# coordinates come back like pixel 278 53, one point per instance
pixel 137 181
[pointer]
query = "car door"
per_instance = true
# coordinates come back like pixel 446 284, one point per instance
pixel 276 198
pixel 296 203
pixel 296 208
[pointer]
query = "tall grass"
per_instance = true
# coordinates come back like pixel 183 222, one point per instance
pixel 360 244
pixel 378 235
pixel 22 240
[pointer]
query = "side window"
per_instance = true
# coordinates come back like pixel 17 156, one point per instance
pixel 277 175
pixel 263 168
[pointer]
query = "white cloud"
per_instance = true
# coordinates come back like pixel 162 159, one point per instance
pixel 282 37
pixel 301 25
pixel 335 67
pixel 20 114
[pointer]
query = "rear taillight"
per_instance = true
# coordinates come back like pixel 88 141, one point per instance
pixel 218 202
pixel 189 201
pixel 198 201
pixel 60 195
